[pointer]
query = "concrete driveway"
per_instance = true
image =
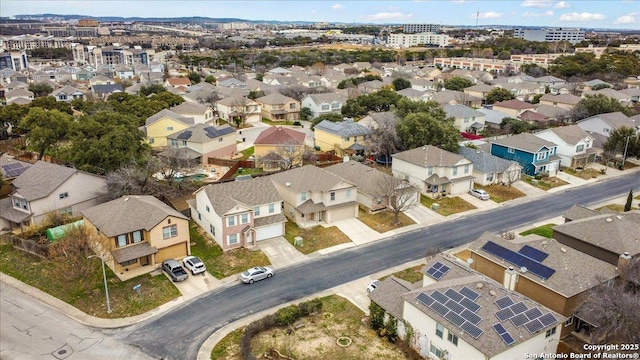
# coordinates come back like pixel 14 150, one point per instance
pixel 247 136
pixel 196 285
pixel 280 252
pixel 481 205
pixel 357 231
pixel 422 215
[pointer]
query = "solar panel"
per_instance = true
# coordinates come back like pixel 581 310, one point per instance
pixel 185 135
pixel 507 338
pixel 425 299
pixel 455 318
pixel 533 253
pixel 470 305
pixel 547 319
pixel 499 329
pixel 471 317
pixel 454 306
pixel 469 293
pixel 440 297
pixel 439 308
pixel 437 270
pixel 534 326
pixel 519 320
pixel 504 314
pixel 471 329
pixel 533 313
pixel 519 308
pixel 504 302
pixel 454 295
pixel 13 170
pixel 432 271
pixel 520 260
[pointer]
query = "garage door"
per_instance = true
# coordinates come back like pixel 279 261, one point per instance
pixel 346 212
pixel 460 187
pixel 269 231
pixel 172 252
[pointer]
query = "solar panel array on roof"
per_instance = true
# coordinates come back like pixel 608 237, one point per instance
pixel 547 319
pixel 13 170
pixel 469 293
pixel 472 329
pixel 470 305
pixel 504 302
pixel 533 253
pixel 504 334
pixel 437 270
pixel 519 314
pixel 185 135
pixel 455 307
pixel 520 260
pixel 425 299
pixel 534 326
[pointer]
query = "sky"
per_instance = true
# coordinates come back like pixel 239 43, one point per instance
pixel 614 14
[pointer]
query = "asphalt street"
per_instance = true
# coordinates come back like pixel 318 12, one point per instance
pixel 179 333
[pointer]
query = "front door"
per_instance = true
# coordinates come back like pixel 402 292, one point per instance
pixel 144 260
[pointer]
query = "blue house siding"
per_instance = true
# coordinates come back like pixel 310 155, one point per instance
pixel 525 159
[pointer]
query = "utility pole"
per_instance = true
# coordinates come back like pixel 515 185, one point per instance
pixel 626 146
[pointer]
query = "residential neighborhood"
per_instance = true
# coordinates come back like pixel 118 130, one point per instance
pixel 317 191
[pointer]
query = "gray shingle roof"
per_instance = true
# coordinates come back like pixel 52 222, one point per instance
pixel 484 162
pixel 429 156
pixel 365 178
pixel 561 98
pixel 571 134
pixel 129 213
pixel 525 142
pixel 577 212
pixel 275 98
pixel 307 178
pixel 343 128
pixel 615 119
pixel 190 108
pixel 326 98
pixel 201 133
pixel 461 111
pixel 41 179
pixel 250 193
pixel 170 114
pixel 389 293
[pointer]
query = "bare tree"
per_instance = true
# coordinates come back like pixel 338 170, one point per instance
pixel 397 193
pixel 298 92
pixel 175 160
pixel 241 107
pixel 511 175
pixel 209 99
pixel 285 157
pixel 319 68
pixel 137 179
pixel 384 139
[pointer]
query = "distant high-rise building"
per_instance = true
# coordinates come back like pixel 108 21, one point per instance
pixel 421 28
pixel 419 39
pixel 15 60
pixel 550 35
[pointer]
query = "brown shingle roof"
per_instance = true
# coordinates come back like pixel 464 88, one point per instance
pixel 280 136
pixel 389 293
pixel 429 156
pixel 41 179
pixel 307 178
pixel 250 193
pixel 577 212
pixel 526 142
pixel 514 104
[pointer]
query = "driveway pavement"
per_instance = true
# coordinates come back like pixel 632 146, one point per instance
pixel 423 216
pixel 247 136
pixel 357 231
pixel 281 253
pixel 197 285
pixel 480 205
pixel 529 190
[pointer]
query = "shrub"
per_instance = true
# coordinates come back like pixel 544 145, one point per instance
pixel 297 123
pixel 309 307
pixel 377 316
pixel 286 316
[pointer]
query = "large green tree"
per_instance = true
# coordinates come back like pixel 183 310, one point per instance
pixel 378 101
pixel 40 89
pixel 498 94
pixel 422 128
pixel 621 139
pixel 457 83
pixel 45 129
pixel 598 104
pixel 401 84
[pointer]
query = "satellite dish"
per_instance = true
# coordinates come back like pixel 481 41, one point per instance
pixel 523 269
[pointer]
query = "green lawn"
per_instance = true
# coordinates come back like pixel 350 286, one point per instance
pixel 411 274
pixel 315 238
pixel 248 171
pixel 545 230
pixel 37 272
pixel 545 183
pixel 221 264
pixel 448 205
pixel 246 153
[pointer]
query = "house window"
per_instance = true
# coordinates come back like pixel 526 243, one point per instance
pixel 183 143
pixel 490 177
pixel 348 193
pixel 121 240
pixel 244 218
pixel 169 231
pixel 606 130
pixel 212 230
pixel 256 211
pixel 199 216
pixel 325 107
pixel 466 169
pixel 233 239
pixel 569 321
pixel 63 195
pixel 169 128
pixel 231 221
pixel 346 138
pixel 130 262
pixel 207 208
pixel 173 142
pixel 137 236
pixel 220 139
pixel 550 332
pixel 541 155
pixel 303 196
pixel 436 351
pixel 455 170
pixel 272 208
pixel 580 148
pixel 430 170
pixel 453 338
pixel 511 150
pixel 66 211
pixel 24 203
pixel 292 106
pixel 151 140
pixel 439 330
pixel 379 201
pixel 333 196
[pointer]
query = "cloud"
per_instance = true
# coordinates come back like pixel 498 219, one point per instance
pixel 486 15
pixel 387 16
pixel 585 16
pixel 337 7
pixel 631 18
pixel 537 3
pixel 561 5
pixel 532 14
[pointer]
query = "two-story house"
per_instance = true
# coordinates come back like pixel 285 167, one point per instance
pixel 204 142
pixel 467 120
pixel 325 103
pixel 489 169
pixel 201 114
pixel 514 108
pixel 279 148
pixel 460 314
pixel 565 101
pixel 345 135
pixel 67 94
pixel 604 124
pixel 19 96
pixel 313 196
pixel 239 108
pixel 239 213
pixel 479 90
pixel 278 107
pixel 433 170
pixel 535 155
pixel 177 82
pixel 162 124
pixel 136 233
pixel 44 188
pixel 575 146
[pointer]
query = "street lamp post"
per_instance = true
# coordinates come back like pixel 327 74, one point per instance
pixel 104 276
pixel 626 146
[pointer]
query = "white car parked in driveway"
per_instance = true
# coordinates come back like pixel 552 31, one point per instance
pixel 194 264
pixel 480 194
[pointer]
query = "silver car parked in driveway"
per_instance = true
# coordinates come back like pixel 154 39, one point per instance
pixel 480 194
pixel 254 274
